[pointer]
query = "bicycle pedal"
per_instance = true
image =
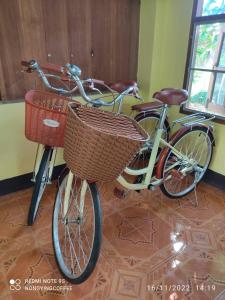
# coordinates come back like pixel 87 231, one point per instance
pixel 151 187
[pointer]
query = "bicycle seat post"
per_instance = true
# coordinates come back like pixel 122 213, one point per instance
pixel 163 116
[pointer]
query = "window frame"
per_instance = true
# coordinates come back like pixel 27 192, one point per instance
pixel 198 20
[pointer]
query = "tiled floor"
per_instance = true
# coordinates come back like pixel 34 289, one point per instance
pixel 152 247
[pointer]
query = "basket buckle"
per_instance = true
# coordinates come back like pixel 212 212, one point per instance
pixel 51 123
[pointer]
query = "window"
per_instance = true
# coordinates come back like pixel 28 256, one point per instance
pixel 205 69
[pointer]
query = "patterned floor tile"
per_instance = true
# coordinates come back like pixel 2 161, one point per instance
pixel 153 248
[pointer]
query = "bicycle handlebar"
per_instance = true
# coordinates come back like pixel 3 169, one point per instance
pixel 25 63
pixel 72 73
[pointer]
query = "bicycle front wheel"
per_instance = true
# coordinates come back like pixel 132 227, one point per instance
pixel 77 229
pixel 40 184
pixel 180 176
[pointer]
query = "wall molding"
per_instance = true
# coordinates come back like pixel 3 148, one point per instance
pixel 21 182
pixel 215 179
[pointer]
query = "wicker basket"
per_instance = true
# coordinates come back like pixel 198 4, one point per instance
pixel 98 144
pixel 45 117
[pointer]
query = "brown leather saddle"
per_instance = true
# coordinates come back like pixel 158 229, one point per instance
pixel 169 96
pixel 120 86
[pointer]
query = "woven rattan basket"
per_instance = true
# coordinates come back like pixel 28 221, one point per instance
pixel 98 144
pixel 45 117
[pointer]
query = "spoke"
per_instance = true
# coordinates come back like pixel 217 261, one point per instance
pixel 175 186
pixel 186 151
pixel 72 247
pixel 72 197
pixel 78 229
pixel 71 257
pixel 197 152
pixel 181 148
pixel 86 238
pixel 191 154
pixel 196 147
pixel 80 242
pixel 79 239
pixel 202 150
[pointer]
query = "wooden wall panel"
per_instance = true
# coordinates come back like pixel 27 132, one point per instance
pixel 79 29
pixel 32 37
pixel 121 34
pixel 115 29
pixel 102 39
pixel 134 15
pixel 56 30
pixel 100 36
pixel 10 50
pixel 126 32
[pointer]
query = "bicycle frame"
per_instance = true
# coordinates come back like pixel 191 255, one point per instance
pixel 38 158
pixel 148 171
pixel 67 195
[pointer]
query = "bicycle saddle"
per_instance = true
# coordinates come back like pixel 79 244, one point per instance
pixel 168 96
pixel 147 106
pixel 120 86
pixel 171 96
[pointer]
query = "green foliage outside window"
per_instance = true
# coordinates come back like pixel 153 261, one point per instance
pixel 207 36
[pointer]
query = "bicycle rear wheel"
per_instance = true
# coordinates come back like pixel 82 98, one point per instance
pixel 150 122
pixel 179 176
pixel 40 184
pixel 77 229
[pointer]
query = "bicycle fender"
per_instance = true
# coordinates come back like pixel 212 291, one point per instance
pixel 172 140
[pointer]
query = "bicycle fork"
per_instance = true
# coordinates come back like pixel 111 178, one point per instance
pixel 67 204
pixel 39 154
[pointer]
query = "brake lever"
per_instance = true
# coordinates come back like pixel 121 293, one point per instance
pixel 91 85
pixel 136 95
pixel 97 90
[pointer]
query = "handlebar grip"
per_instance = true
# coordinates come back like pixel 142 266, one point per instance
pixel 25 63
pixel 28 64
pixel 55 69
pixel 52 68
pixel 98 81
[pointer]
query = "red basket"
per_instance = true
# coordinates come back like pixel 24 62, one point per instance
pixel 45 117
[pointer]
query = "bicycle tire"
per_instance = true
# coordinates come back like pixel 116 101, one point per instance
pixel 95 251
pixel 165 156
pixel 142 161
pixel 38 189
pixel 154 115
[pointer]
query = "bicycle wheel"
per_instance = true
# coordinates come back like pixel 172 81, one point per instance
pixel 40 184
pixel 149 121
pixel 179 176
pixel 77 232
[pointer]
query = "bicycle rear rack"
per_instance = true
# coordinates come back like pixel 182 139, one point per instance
pixel 194 119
